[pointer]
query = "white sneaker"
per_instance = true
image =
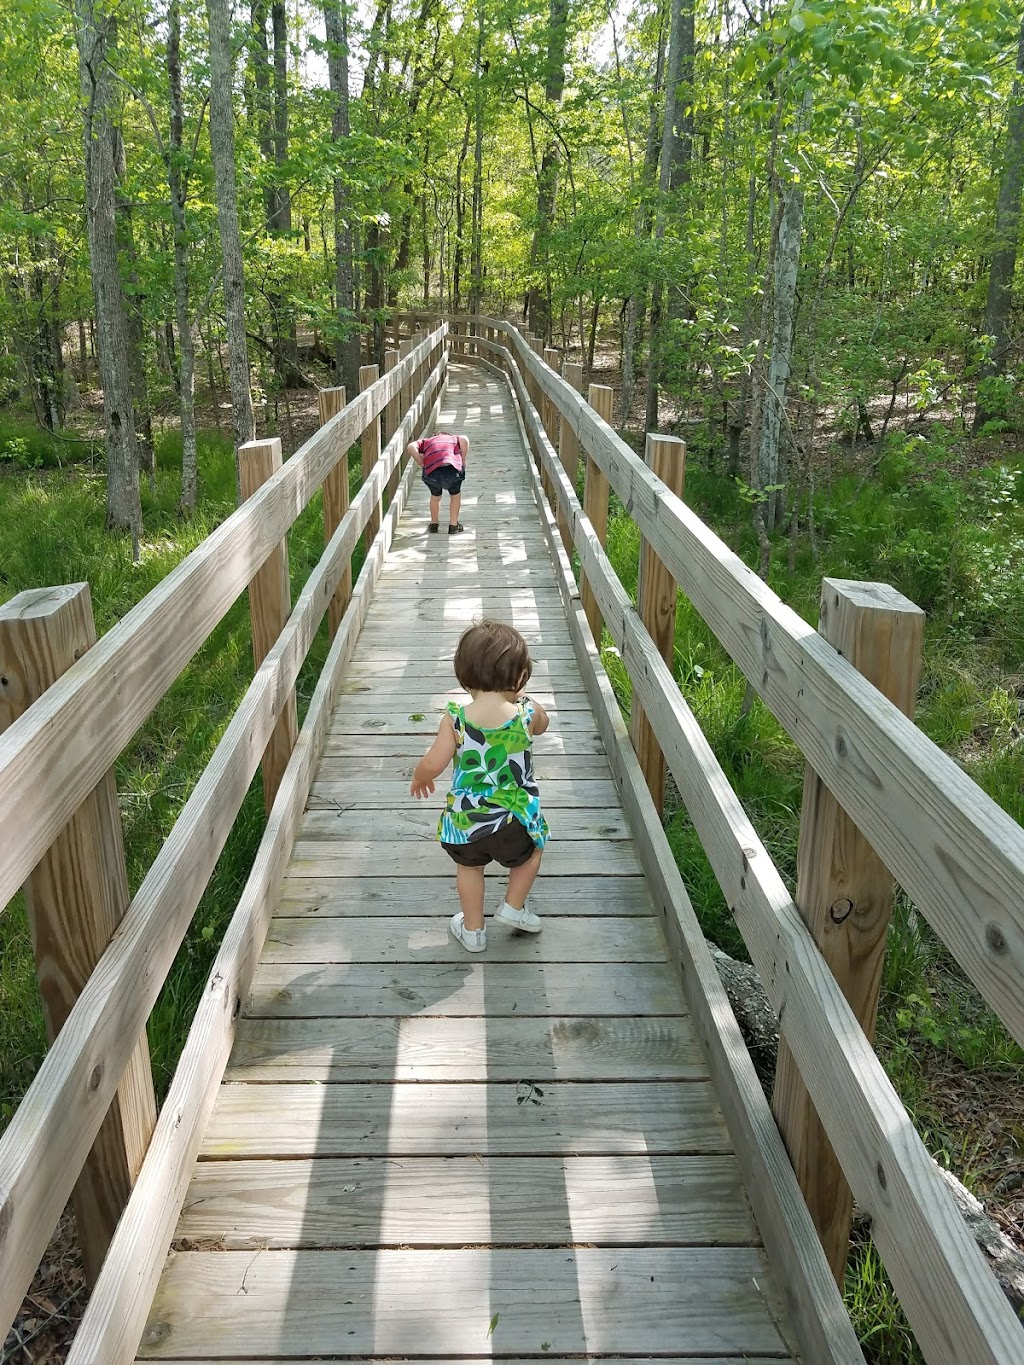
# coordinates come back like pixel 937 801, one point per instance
pixel 473 940
pixel 522 919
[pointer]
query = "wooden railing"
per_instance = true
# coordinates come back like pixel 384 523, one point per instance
pixel 957 854
pixel 72 705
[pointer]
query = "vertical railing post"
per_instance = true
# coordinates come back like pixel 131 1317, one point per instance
pixel 657 592
pixel 595 505
pixel 553 359
pixel 270 604
pixel 371 452
pixel 569 447
pixel 335 506
pixel 76 898
pixel 392 418
pixel 844 890
pixel 407 391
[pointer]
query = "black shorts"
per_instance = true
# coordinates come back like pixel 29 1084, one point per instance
pixel 511 846
pixel 444 479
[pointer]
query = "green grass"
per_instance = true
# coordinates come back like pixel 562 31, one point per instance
pixel 52 524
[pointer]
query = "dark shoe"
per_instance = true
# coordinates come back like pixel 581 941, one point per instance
pixel 454 530
pixel 433 527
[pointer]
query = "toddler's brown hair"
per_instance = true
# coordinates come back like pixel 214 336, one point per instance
pixel 492 657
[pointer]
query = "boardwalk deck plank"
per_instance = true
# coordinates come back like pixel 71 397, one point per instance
pixel 420 1154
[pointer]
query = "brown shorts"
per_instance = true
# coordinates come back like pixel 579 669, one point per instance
pixel 510 846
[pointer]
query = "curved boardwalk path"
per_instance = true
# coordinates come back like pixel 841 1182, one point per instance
pixel 417 1153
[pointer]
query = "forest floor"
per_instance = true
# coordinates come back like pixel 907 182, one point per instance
pixel 935 1038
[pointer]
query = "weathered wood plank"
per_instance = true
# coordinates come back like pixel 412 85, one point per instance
pixel 502 1201
pixel 409 819
pixel 440 1049
pixel 297 991
pixel 389 793
pixel 426 858
pixel 560 672
pixel 358 896
pixel 433 1049
pixel 521 1118
pixel 364 698
pixel 520 1360
pixel 585 1300
pixel 415 939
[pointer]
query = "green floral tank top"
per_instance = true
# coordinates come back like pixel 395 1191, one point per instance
pixel 493 782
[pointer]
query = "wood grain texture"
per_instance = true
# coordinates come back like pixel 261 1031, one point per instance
pixel 947 1291
pixel 468 1049
pixel 370 445
pixel 270 602
pixel 386 1302
pixel 452 1202
pixel 343 941
pixel 844 890
pixel 75 899
pixel 657 595
pixel 517 1118
pixel 314 991
pixel 387 896
pixel 595 501
pixel 335 501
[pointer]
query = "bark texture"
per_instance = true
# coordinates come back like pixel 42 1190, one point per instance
pixel 222 145
pixel 97 41
pixel 186 346
pixel 347 346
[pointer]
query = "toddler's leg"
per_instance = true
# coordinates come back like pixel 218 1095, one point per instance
pixel 521 880
pixel 470 883
pixel 454 503
pixel 435 507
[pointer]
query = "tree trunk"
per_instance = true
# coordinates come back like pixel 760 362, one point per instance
pixel 222 146
pixel 1007 235
pixel 787 261
pixel 476 287
pixel 676 152
pixel 539 299
pixel 186 345
pixel 460 218
pixel 97 40
pixel 347 345
pixel 133 316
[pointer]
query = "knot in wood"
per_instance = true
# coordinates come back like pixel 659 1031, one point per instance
pixel 882 1178
pixel 995 938
pixel 840 910
pixel 95 1076
pixel 840 746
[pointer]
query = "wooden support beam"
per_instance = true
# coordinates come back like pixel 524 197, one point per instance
pixel 844 890
pixel 405 397
pixel 569 449
pixel 336 502
pixel 657 592
pixel 550 415
pixel 76 898
pixel 368 375
pixel 270 604
pixel 595 504
pixel 392 417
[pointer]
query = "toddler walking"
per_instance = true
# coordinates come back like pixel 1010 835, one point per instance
pixel 493 807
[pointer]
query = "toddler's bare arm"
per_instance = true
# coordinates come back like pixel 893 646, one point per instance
pixel 540 720
pixel 434 761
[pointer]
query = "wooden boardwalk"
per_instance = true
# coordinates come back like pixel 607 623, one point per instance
pixel 420 1154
